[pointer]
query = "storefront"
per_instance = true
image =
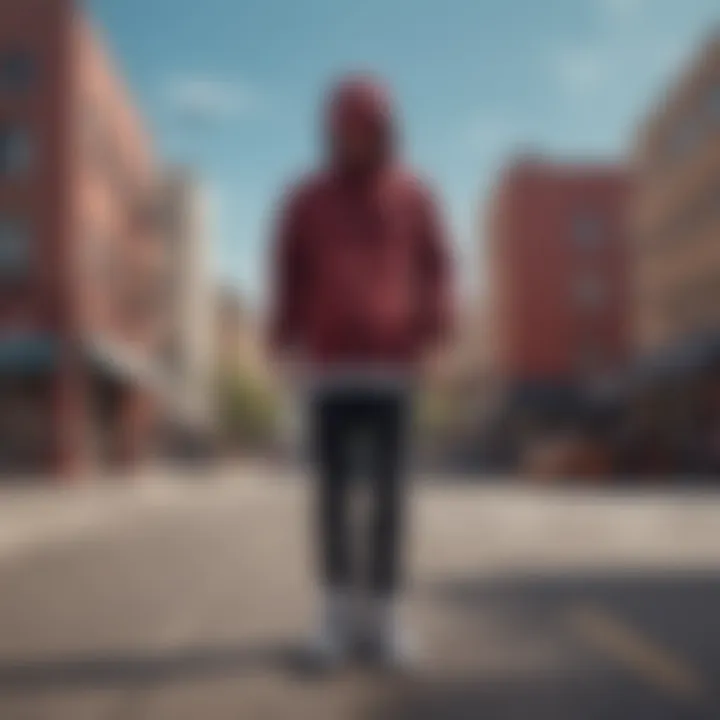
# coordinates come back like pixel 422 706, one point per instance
pixel 27 364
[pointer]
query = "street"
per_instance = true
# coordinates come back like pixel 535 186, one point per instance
pixel 186 598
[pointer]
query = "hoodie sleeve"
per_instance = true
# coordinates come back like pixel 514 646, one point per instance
pixel 287 276
pixel 436 272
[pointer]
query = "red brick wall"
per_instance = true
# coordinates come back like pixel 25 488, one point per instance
pixel 93 250
pixel 38 28
pixel 536 263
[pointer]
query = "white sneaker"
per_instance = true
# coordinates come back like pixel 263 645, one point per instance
pixel 388 641
pixel 331 644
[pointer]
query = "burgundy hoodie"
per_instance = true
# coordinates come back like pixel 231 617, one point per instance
pixel 362 274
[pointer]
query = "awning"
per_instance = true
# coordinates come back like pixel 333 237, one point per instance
pixel 28 353
pixel 125 364
pixel 546 396
pixel 692 355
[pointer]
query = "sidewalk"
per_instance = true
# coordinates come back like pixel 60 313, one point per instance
pixel 41 513
pixel 671 524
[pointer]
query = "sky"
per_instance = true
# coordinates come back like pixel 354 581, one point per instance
pixel 234 88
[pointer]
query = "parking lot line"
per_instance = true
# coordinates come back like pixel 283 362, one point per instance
pixel 640 655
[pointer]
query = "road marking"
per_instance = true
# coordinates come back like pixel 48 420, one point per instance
pixel 653 663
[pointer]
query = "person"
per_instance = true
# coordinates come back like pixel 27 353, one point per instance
pixel 362 296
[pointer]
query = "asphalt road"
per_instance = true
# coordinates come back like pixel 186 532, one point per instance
pixel 188 600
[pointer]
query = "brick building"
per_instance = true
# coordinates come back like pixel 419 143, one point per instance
pixel 81 267
pixel 676 212
pixel 557 274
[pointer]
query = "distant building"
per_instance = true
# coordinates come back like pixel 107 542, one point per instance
pixel 676 212
pixel 473 376
pixel 191 339
pixel 557 303
pixel 81 264
pixel 240 347
pixel 247 400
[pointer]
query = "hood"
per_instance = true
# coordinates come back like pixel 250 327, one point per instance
pixel 359 111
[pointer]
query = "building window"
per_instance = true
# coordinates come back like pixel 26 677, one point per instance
pixel 590 293
pixel 685 138
pixel 591 359
pixel 15 151
pixel 17 71
pixel 14 246
pixel 104 262
pixel 587 230
pixel 715 102
pixel 93 133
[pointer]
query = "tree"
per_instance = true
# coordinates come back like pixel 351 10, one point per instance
pixel 248 411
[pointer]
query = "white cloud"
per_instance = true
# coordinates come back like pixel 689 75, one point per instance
pixel 621 10
pixel 582 71
pixel 627 47
pixel 625 52
pixel 207 98
pixel 614 63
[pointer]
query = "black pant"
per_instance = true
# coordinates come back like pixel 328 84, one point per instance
pixel 349 426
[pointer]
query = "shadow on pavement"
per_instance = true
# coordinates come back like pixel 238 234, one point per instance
pixel 674 613
pixel 676 608
pixel 489 617
pixel 127 670
pixel 530 701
